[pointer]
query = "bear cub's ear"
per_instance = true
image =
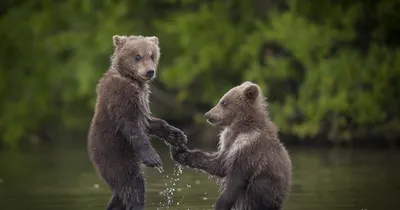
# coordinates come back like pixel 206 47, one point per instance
pixel 119 40
pixel 153 39
pixel 252 91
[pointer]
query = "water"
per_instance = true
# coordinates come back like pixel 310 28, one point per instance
pixel 49 177
pixel 171 186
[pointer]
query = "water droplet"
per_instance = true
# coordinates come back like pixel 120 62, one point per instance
pixel 160 169
pixel 205 198
pixel 197 182
pixel 170 189
pixel 96 186
pixel 1 181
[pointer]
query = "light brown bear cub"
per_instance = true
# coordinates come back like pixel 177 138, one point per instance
pixel 253 166
pixel 119 135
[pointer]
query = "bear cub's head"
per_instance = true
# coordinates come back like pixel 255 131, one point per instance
pixel 239 103
pixel 136 57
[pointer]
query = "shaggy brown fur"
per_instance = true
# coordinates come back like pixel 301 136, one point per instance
pixel 253 166
pixel 118 140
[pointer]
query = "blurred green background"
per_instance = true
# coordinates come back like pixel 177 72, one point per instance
pixel 330 70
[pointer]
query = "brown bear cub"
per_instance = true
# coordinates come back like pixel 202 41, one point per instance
pixel 118 139
pixel 253 166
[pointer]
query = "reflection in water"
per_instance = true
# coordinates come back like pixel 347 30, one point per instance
pixel 63 178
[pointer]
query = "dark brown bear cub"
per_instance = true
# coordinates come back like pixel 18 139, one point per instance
pixel 253 166
pixel 118 140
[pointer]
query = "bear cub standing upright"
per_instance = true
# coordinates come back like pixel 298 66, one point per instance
pixel 118 140
pixel 253 166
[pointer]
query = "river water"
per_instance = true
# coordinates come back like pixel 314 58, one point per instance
pixel 62 177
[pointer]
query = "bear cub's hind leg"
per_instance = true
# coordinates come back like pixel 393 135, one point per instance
pixel 115 203
pixel 130 195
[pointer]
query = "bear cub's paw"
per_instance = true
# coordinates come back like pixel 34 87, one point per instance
pixel 176 137
pixel 150 158
pixel 180 154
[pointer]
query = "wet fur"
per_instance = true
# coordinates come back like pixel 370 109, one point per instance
pixel 252 165
pixel 119 134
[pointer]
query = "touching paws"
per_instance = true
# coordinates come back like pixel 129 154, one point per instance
pixel 176 137
pixel 150 158
pixel 180 155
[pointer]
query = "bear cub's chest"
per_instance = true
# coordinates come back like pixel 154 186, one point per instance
pixel 143 103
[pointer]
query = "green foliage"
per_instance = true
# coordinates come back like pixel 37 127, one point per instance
pixel 53 53
pixel 342 94
pixel 51 57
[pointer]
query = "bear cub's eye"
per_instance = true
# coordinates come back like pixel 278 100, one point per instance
pixel 138 57
pixel 152 57
pixel 224 103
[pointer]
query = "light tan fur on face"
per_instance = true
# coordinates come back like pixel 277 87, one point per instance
pixel 126 48
pixel 229 109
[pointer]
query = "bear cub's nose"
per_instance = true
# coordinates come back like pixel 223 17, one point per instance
pixel 150 73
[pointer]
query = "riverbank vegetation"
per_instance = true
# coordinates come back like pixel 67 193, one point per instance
pixel 330 69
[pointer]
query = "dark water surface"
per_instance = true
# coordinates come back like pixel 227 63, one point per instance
pixel 63 178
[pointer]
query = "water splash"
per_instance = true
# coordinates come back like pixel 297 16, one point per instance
pixel 160 169
pixel 171 186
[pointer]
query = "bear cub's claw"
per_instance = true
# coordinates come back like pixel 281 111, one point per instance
pixel 150 158
pixel 176 137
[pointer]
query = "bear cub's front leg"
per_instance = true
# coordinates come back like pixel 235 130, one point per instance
pixel 172 135
pixel 141 144
pixel 149 156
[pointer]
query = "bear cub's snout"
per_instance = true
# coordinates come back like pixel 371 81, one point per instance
pixel 209 117
pixel 150 73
